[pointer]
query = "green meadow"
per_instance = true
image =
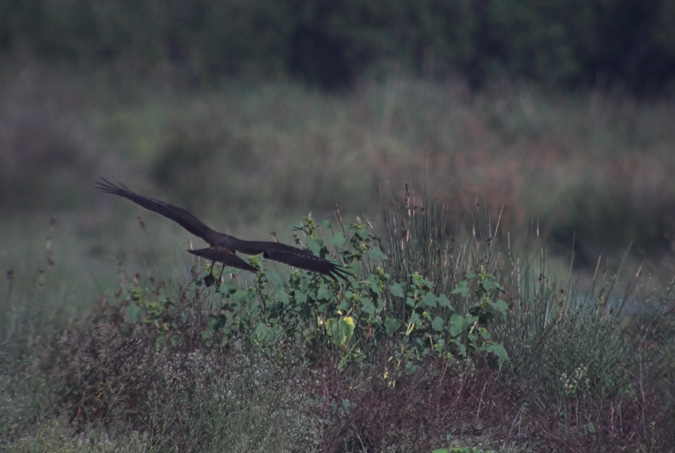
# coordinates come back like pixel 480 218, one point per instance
pixel 513 253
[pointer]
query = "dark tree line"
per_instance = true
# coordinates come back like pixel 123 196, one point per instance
pixel 328 43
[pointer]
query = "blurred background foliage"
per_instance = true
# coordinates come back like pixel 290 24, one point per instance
pixel 329 44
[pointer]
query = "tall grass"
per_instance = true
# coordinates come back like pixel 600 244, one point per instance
pixel 521 192
pixel 170 364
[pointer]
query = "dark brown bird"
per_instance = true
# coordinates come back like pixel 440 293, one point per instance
pixel 224 246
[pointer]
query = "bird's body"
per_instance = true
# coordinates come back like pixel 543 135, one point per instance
pixel 223 247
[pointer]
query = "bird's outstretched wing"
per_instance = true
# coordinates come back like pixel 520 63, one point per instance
pixel 178 215
pixel 225 256
pixel 223 246
pixel 293 256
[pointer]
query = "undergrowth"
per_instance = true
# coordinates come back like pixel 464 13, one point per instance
pixel 435 343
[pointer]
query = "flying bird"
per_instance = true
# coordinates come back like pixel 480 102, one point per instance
pixel 223 247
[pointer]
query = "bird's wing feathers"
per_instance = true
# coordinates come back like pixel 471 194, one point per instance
pixel 307 261
pixel 293 256
pixel 178 215
pixel 224 246
pixel 225 256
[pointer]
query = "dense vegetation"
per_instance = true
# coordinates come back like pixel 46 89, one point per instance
pixel 330 44
pixel 435 345
pixel 512 243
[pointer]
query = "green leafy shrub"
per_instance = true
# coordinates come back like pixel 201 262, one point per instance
pixel 364 314
pixel 410 353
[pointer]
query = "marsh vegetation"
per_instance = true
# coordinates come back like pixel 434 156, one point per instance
pixel 513 254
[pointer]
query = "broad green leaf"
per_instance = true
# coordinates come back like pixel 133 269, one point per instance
pixel 323 294
pixel 362 234
pixel 396 290
pixel 282 295
pixel 457 324
pixel 391 325
pixel 498 350
pixel 373 287
pixel 462 350
pixel 462 288
pixel 376 254
pixel 501 306
pixel 240 295
pixel 438 323
pixel 368 306
pixel 343 305
pixel 133 312
pixel 487 285
pixel 261 331
pixel 443 301
pixel 347 327
pixel 340 330
pixel 429 300
pixel 315 245
pixel 300 298
pixel 274 279
pixel 338 239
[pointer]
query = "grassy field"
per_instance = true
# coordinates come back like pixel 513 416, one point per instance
pixel 525 302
